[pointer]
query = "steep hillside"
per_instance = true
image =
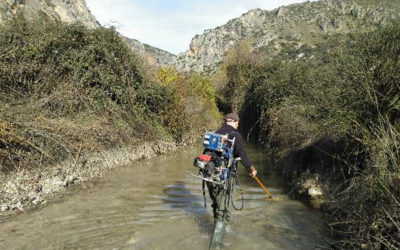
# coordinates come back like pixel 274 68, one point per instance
pixel 298 24
pixel 153 55
pixel 63 10
pixel 68 11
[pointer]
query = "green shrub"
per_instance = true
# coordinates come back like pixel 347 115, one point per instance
pixel 195 101
pixel 66 88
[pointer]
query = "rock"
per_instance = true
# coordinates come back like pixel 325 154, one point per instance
pixel 309 186
pixel 314 192
pixel 36 200
pixel 19 206
pixel 152 55
pixel 261 27
pixel 299 56
pixel 52 185
pixel 4 208
pixel 281 11
pixel 61 10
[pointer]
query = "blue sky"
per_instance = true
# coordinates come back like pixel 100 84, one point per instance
pixel 170 25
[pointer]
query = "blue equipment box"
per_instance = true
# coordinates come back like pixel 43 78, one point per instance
pixel 215 141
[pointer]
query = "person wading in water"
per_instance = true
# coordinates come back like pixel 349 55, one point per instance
pixel 219 194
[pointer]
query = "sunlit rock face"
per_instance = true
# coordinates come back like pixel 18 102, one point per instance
pixel 300 24
pixel 153 55
pixel 72 11
pixel 68 11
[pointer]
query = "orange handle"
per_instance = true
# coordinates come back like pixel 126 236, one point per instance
pixel 263 187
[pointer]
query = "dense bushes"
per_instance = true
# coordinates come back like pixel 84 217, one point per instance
pixel 67 90
pixel 195 96
pixel 237 71
pixel 368 88
pixel 337 116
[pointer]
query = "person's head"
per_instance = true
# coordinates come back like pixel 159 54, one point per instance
pixel 232 119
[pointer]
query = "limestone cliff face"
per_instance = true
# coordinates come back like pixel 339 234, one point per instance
pixel 71 11
pixel 153 55
pixel 303 24
pixel 68 11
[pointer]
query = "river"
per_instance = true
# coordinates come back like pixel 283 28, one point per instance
pixel 156 204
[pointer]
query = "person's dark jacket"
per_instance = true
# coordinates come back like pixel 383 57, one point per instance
pixel 239 147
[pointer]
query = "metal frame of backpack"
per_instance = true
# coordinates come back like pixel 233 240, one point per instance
pixel 228 167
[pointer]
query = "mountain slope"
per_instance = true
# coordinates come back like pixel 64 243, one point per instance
pixel 69 11
pixel 63 10
pixel 153 55
pixel 302 24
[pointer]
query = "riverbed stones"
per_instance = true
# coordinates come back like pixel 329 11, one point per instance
pixel 4 208
pixel 36 200
pixel 310 187
pixel 52 185
pixel 314 192
pixel 18 207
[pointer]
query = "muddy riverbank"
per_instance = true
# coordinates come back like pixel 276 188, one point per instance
pixel 24 190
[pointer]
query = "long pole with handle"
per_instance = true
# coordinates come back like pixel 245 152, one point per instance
pixel 269 195
pixel 263 187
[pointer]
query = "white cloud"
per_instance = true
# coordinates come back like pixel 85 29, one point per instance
pixel 171 26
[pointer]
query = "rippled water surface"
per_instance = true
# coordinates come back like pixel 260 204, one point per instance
pixel 155 204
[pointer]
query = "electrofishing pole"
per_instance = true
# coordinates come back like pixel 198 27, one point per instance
pixel 269 195
pixel 263 187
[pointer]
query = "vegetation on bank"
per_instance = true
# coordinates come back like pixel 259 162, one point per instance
pixel 337 117
pixel 66 90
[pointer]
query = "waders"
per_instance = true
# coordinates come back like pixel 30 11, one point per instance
pixel 217 168
pixel 225 202
pixel 218 235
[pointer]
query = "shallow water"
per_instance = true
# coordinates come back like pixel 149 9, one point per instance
pixel 155 204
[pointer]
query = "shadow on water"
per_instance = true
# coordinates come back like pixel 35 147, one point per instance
pixel 180 196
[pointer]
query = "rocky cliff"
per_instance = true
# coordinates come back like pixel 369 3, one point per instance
pixel 299 24
pixel 68 11
pixel 71 11
pixel 153 55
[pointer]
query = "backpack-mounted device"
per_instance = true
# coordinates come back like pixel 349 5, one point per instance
pixel 217 159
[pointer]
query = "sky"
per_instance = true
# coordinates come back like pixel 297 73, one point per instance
pixel 171 24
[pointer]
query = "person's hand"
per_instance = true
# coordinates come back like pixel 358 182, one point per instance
pixel 253 172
